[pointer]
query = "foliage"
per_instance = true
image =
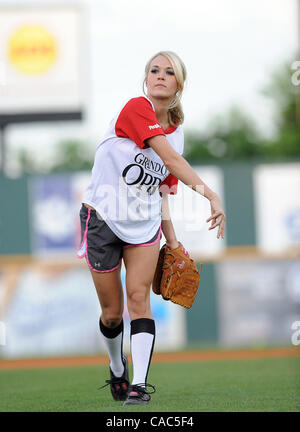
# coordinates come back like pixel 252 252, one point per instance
pixel 286 99
pixel 73 156
pixel 234 136
pixel 230 136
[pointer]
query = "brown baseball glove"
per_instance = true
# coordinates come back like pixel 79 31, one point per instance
pixel 176 276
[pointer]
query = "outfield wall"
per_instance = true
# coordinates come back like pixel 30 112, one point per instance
pixel 249 289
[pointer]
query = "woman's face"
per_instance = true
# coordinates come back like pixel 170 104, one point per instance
pixel 161 82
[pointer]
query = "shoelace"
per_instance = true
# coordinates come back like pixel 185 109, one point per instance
pixel 142 387
pixel 112 381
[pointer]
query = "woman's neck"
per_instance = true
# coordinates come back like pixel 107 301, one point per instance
pixel 161 111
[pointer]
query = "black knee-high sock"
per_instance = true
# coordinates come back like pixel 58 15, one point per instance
pixel 142 337
pixel 113 339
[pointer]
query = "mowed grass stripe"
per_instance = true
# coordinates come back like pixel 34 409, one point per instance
pixel 271 384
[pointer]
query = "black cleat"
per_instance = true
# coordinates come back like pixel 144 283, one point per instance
pixel 119 385
pixel 138 395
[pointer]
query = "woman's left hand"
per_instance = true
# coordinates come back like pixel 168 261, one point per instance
pixel 217 217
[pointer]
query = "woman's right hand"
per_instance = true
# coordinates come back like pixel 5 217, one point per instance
pixel 217 217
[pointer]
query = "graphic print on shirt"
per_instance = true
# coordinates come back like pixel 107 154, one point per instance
pixel 145 173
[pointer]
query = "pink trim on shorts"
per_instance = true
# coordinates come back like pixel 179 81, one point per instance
pixel 84 237
pixel 86 248
pixel 145 244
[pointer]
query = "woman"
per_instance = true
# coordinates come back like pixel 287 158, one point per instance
pixel 137 164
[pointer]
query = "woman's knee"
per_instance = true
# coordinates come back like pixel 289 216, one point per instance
pixel 138 301
pixel 111 319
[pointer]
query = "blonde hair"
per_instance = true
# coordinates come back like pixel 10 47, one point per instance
pixel 175 112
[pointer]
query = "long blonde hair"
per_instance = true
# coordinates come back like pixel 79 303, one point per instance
pixel 175 112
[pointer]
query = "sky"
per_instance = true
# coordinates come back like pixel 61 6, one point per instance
pixel 230 49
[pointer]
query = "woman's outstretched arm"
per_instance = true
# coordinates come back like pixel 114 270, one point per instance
pixel 180 168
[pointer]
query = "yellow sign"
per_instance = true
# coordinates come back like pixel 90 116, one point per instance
pixel 32 50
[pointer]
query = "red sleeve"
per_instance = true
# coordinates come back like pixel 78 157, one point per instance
pixel 169 185
pixel 137 121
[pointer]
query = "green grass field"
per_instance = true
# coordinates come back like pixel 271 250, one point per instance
pixel 231 385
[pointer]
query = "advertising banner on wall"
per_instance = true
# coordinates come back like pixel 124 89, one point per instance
pixel 277 206
pixel 258 301
pixel 49 310
pixel 52 216
pixel 41 60
pixel 55 202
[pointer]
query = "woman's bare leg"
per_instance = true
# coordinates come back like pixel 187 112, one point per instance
pixel 110 294
pixel 140 263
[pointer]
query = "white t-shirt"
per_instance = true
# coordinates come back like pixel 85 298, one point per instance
pixel 128 175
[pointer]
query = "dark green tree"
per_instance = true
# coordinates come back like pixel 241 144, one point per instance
pixel 234 136
pixel 229 137
pixel 285 95
pixel 73 155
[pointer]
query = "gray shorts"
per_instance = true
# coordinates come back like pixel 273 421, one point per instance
pixel 100 246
